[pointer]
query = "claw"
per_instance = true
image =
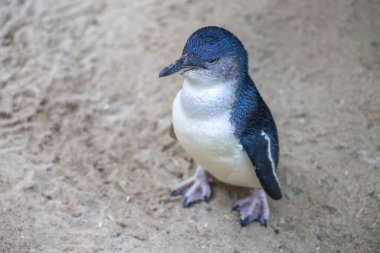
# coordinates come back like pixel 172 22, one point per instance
pixel 244 221
pixel 206 198
pixel 263 222
pixel 236 208
pixel 174 193
pixel 185 203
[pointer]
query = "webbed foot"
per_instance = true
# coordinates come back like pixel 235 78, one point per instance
pixel 194 189
pixel 253 208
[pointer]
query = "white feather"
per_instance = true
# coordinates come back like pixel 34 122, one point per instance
pixel 201 120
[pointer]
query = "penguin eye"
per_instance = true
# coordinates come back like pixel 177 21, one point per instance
pixel 213 60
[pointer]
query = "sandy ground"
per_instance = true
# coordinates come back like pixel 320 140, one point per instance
pixel 86 162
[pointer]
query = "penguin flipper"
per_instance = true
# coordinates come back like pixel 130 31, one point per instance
pixel 262 152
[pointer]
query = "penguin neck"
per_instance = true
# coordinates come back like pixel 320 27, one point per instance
pixel 205 100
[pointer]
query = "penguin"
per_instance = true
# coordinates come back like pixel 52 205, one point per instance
pixel 223 123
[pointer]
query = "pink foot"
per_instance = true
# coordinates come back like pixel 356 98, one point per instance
pixel 194 189
pixel 253 208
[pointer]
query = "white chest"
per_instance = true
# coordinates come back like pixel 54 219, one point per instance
pixel 201 120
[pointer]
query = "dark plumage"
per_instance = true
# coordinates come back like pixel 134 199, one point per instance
pixel 250 116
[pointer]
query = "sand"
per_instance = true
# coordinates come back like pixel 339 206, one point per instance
pixel 86 161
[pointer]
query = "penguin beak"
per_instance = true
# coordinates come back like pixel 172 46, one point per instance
pixel 179 65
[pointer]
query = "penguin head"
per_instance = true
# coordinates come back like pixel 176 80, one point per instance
pixel 210 54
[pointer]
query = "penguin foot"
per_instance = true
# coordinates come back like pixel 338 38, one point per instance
pixel 253 208
pixel 194 189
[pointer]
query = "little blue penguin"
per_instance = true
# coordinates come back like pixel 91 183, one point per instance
pixel 223 123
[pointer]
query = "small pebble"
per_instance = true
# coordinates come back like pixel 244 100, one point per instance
pixel 76 214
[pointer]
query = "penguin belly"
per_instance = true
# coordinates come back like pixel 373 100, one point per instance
pixel 211 142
